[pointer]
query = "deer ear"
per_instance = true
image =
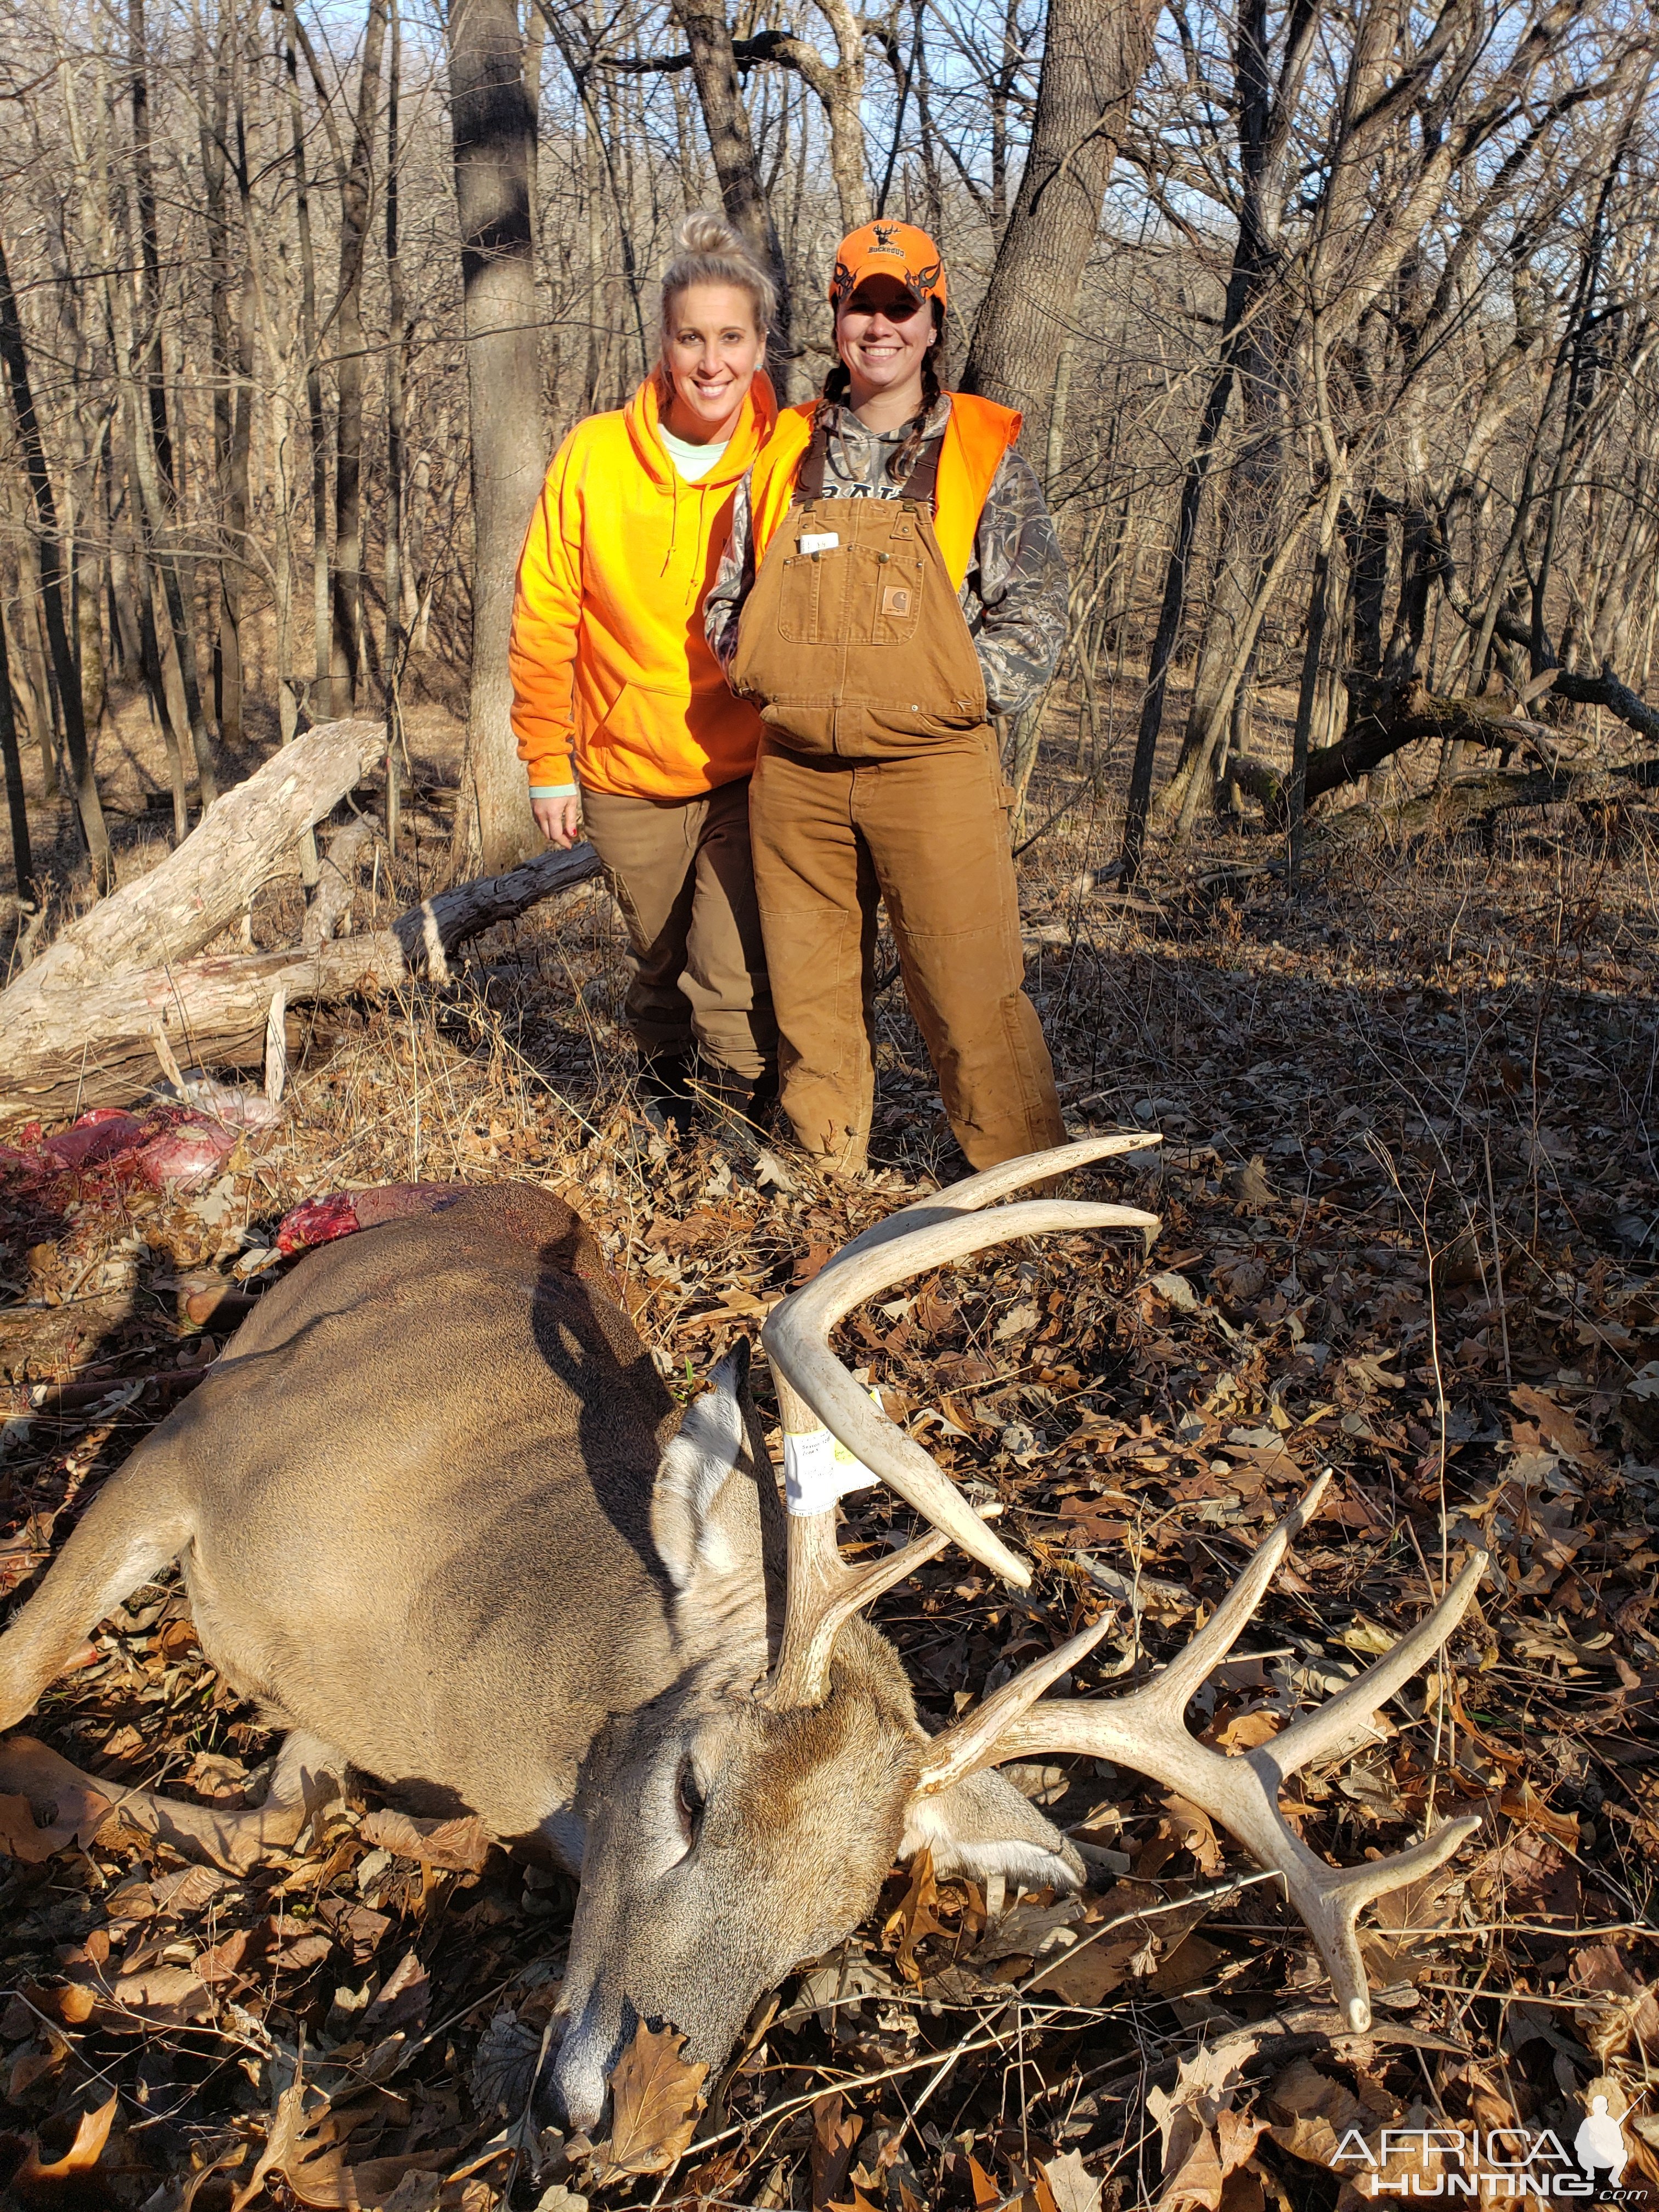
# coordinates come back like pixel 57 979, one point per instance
pixel 981 1826
pixel 703 1522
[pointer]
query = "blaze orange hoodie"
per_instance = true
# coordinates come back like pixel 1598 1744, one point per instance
pixel 610 668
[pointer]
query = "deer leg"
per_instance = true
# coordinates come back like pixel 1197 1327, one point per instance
pixel 308 1773
pixel 129 1534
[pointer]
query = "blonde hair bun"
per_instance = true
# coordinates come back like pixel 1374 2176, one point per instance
pixel 702 233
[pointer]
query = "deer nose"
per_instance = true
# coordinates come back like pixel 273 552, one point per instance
pixel 593 2040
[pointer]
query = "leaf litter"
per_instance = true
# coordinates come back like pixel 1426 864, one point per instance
pixel 1410 1233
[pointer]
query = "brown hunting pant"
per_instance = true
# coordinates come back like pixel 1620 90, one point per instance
pixel 929 834
pixel 680 871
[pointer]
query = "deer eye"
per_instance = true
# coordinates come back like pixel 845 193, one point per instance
pixel 688 1802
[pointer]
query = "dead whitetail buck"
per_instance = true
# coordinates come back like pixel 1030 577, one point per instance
pixel 436 1512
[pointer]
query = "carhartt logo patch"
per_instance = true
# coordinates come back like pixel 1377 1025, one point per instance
pixel 895 599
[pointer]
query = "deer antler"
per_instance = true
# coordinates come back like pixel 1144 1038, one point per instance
pixel 815 1394
pixel 1147 1732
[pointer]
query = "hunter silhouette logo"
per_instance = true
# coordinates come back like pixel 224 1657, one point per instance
pixel 1599 2143
pixel 1487 2163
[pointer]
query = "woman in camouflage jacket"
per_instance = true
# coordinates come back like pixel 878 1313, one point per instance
pixel 892 581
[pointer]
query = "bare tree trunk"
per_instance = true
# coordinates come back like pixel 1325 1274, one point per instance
pixel 52 590
pixel 233 350
pixel 714 69
pixel 311 343
pixel 350 363
pixel 16 806
pixel 152 510
pixel 495 144
pixel 396 340
pixel 143 174
pixel 19 577
pixel 1093 58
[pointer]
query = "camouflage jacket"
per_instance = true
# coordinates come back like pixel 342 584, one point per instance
pixel 1013 595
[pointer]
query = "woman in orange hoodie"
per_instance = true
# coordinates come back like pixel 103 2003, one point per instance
pixel 623 715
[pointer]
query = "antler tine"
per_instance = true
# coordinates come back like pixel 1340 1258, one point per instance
pixel 957 1751
pixel 814 1389
pixel 796 1335
pixel 992 1184
pixel 1173 1689
pixel 1344 1721
pixel 1144 1732
pixel 823 1592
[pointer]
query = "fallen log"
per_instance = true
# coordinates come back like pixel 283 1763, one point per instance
pixel 1383 719
pixel 243 841
pixel 97 1048
pixel 1448 807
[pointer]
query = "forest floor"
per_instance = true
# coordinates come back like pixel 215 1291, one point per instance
pixel 1410 1233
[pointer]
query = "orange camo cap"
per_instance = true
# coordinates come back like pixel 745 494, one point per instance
pixel 888 249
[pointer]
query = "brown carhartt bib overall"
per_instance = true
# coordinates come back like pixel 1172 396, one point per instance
pixel 879 778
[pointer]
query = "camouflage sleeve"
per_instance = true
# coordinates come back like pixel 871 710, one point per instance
pixel 1015 593
pixel 733 581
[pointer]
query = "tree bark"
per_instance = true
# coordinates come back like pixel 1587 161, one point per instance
pixel 1093 57
pixel 17 805
pixel 714 72
pixel 350 360
pixel 154 511
pixel 150 242
pixel 397 343
pixel 233 353
pixel 312 345
pixel 51 592
pixel 494 135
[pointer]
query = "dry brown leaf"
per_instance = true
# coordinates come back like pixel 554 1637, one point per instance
pixel 914 1918
pixel 45 1804
pixel 985 2191
pixel 1040 2194
pixel 1248 1731
pixel 1188 1824
pixel 655 2099
pixel 30 2066
pixel 1197 2179
pixel 169 1997
pixel 1087 1972
pixel 834 2138
pixel 1523 1802
pixel 1188 1966
pixel 458 1845
pixel 1633 2007
pixel 1072 2187
pixel 91 2134
pixel 1557 1424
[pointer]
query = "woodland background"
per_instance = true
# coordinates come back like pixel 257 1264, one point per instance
pixel 1333 327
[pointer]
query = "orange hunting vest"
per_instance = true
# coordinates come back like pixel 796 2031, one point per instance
pixel 977 435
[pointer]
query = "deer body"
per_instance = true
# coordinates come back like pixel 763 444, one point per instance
pixel 436 1512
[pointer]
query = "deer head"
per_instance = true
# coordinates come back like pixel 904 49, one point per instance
pixel 743 1821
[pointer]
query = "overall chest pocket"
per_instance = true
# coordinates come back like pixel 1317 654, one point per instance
pixel 884 594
